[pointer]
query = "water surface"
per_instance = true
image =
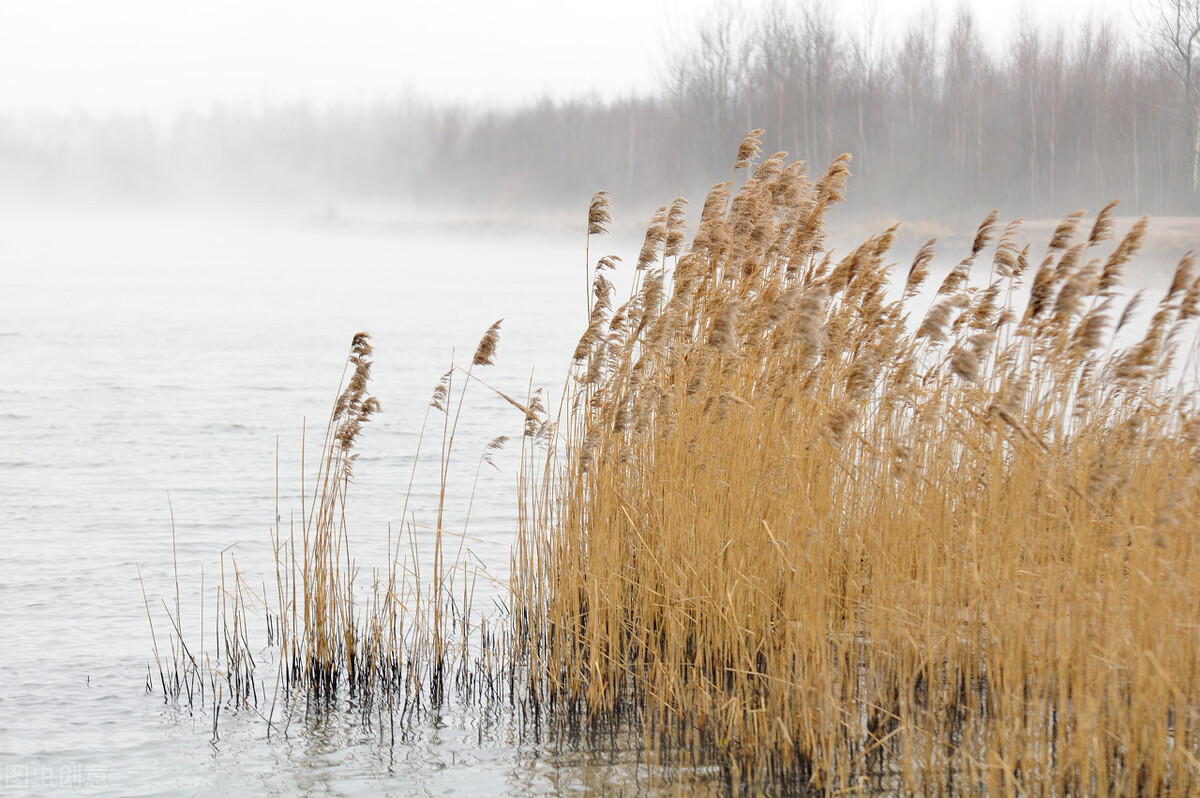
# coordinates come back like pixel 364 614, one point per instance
pixel 154 363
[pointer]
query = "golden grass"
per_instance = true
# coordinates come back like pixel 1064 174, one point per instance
pixel 839 539
pixel 822 532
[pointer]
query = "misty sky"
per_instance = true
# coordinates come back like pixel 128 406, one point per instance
pixel 164 55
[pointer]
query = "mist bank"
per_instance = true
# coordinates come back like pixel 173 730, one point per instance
pixel 940 127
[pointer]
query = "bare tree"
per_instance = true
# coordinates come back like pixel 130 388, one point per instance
pixel 1175 29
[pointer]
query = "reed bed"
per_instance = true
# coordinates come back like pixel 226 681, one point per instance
pixel 408 642
pixel 795 523
pixel 841 536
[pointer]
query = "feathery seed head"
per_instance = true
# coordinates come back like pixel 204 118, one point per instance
pixel 1102 229
pixel 656 234
pixel 1069 260
pixel 723 334
pixel 769 170
pixel 441 393
pixel 833 182
pixel 919 269
pixel 984 234
pixel 1043 287
pixel 1130 309
pixel 749 149
pixel 1089 335
pixel 676 221
pixel 1183 275
pixel 1007 259
pixel 1190 306
pixel 965 363
pixel 953 282
pixel 485 353
pixel 599 214
pixel 1065 232
pixel 715 202
pixel 1128 247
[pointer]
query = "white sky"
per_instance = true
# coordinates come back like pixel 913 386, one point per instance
pixel 163 55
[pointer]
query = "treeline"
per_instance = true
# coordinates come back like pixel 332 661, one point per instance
pixel 939 125
pixel 936 121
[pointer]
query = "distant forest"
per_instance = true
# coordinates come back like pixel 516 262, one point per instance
pixel 940 126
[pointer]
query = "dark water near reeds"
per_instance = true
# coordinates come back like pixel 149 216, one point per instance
pixel 153 363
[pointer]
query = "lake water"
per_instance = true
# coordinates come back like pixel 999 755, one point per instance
pixel 152 363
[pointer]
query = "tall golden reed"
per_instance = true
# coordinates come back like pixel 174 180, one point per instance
pixel 794 523
pixel 839 540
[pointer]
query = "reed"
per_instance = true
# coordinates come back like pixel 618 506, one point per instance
pixel 838 538
pixel 409 641
pixel 824 532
